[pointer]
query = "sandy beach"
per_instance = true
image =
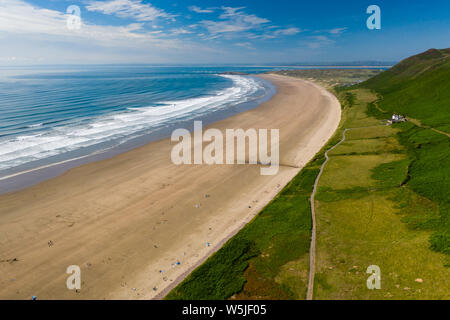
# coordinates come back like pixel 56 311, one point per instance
pixel 137 223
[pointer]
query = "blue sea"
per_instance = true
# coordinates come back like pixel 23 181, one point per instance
pixel 54 115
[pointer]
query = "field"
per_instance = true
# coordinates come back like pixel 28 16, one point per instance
pixel 368 216
pixel 329 78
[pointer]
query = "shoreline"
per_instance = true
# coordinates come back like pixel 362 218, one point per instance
pixel 14 179
pixel 128 220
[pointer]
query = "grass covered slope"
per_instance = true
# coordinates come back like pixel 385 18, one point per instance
pixel 398 215
pixel 418 87
pixel 429 176
pixel 368 215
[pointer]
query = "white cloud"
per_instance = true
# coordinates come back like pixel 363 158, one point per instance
pixel 275 33
pixel 31 34
pixel 319 41
pixel 178 31
pixel 234 20
pixel 216 27
pixel 321 38
pixel 237 14
pixel 337 30
pixel 287 32
pixel 19 17
pixel 230 12
pixel 133 9
pixel 200 10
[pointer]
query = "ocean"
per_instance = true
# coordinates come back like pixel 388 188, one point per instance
pixel 59 115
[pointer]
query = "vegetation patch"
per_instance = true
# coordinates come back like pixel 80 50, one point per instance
pixel 374 132
pixel 371 146
pixel 357 232
pixel 391 174
pixel 343 172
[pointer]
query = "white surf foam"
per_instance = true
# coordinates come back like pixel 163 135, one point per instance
pixel 23 149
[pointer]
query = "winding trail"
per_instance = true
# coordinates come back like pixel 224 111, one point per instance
pixel 419 124
pixel 312 251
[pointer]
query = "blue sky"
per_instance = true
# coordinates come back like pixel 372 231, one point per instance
pixel 213 31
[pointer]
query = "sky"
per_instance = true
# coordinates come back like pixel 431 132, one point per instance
pixel 217 32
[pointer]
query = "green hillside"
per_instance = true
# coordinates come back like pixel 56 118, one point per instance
pixel 418 87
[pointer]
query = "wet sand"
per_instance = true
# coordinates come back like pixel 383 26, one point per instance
pixel 129 220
